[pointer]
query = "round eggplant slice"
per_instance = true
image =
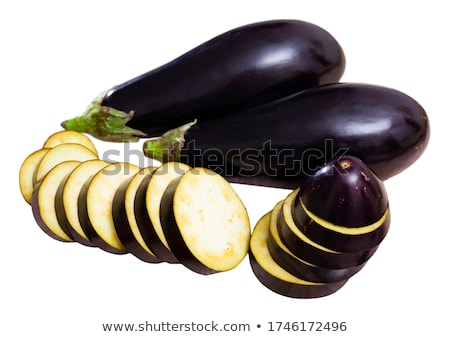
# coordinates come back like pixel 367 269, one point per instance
pixel 95 206
pixel 307 250
pixel 147 208
pixel 71 188
pixel 295 265
pixel 340 238
pixel 125 219
pixel 43 201
pixel 27 171
pixel 68 136
pixel 276 278
pixel 205 222
pixel 61 153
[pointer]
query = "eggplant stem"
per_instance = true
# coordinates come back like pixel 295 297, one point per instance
pixel 104 123
pixel 168 146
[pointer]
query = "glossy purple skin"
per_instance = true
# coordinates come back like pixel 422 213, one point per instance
pixel 174 237
pixel 280 143
pixel 145 225
pixel 123 229
pixel 344 192
pixel 319 257
pixel 241 68
pixel 304 270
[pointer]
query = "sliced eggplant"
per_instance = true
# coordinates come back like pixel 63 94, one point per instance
pixel 27 173
pixel 274 277
pixel 43 201
pixel 205 222
pixel 295 265
pixel 95 206
pixel 61 153
pixel 147 208
pixel 125 219
pixel 67 201
pixel 69 136
pixel 343 206
pixel 306 249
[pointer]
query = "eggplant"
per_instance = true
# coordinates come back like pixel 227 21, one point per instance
pixel 27 173
pixel 95 206
pixel 301 246
pixel 297 266
pixel 147 204
pixel 67 136
pixel 275 277
pixel 343 206
pixel 125 220
pixel 205 222
pixel 69 192
pixel 43 203
pixel 61 153
pixel 239 69
pixel 280 143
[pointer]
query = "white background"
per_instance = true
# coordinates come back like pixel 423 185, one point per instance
pixel 56 56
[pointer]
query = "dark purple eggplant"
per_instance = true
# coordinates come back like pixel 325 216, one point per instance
pixel 299 266
pixel 242 68
pixel 309 251
pixel 275 277
pixel 343 206
pixel 280 143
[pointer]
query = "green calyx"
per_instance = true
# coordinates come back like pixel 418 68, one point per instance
pixel 104 123
pixel 168 146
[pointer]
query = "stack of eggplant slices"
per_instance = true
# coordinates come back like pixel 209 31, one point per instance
pixel 260 104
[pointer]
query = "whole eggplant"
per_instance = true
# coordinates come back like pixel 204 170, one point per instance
pixel 279 143
pixel 239 69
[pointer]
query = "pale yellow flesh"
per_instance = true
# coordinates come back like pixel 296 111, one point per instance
pixel 260 251
pixel 287 206
pixel 46 196
pixel 273 230
pixel 27 173
pixel 100 196
pixel 69 136
pixel 61 153
pixel 346 230
pixel 130 194
pixel 161 178
pixel 212 219
pixel 72 189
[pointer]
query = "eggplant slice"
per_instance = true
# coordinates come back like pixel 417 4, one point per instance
pixel 43 201
pixel 61 153
pixel 205 222
pixel 95 206
pixel 295 265
pixel 27 173
pixel 308 250
pixel 70 192
pixel 274 277
pixel 147 208
pixel 125 218
pixel 68 136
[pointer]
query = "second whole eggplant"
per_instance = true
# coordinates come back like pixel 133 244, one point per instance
pixel 280 143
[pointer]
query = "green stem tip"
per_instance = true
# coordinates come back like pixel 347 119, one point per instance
pixel 168 146
pixel 104 123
